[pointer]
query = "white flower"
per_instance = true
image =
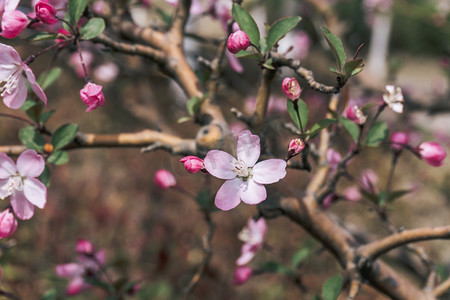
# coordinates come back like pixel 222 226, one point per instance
pixel 394 98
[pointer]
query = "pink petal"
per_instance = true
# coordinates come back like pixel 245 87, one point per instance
pixel 69 270
pixel 35 191
pixel 248 148
pixel 9 61
pixel 227 196
pixel 76 286
pixel 34 86
pixel 11 4
pixel 252 192
pixel 220 164
pixel 7 166
pixel 23 209
pixel 247 253
pixel 3 193
pixel 18 94
pixel 234 62
pixel 269 171
pixel 30 164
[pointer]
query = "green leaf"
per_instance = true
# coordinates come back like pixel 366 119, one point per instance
pixel 293 113
pixel 268 64
pixel 336 46
pixel 58 157
pixel 193 105
pixel 51 294
pixel 352 66
pixel 76 9
pixel 351 127
pixel 46 115
pixel 246 23
pixel 316 128
pixel 275 267
pixel 300 256
pixel 47 79
pixel 248 54
pixel 371 196
pixel 368 106
pixel 392 196
pixel 31 139
pixel 263 45
pixel 45 176
pixel 164 16
pixel 332 288
pixel 377 133
pixel 280 28
pixel 41 36
pixel 303 111
pixel 93 28
pixel 335 71
pixel 28 104
pixel 64 135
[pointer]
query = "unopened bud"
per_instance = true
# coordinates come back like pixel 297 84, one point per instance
pixel 291 88
pixel 398 139
pixel 295 147
pixel 8 223
pixel 45 12
pixel 242 275
pixel 164 179
pixel 238 41
pixel 432 153
pixel 192 164
pixel 354 114
pixel 48 148
pixel 85 247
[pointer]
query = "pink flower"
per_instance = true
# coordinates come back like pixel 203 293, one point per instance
pixel 432 153
pixel 164 179
pixel 92 96
pixel 352 193
pixel 398 139
pixel 21 184
pixel 14 89
pixel 106 72
pixel 192 164
pixel 8 223
pixel 354 114
pixel 295 147
pixel 291 88
pixel 45 12
pixel 253 238
pixel 238 41
pixel 242 275
pixel 13 23
pixel 84 247
pixel 245 178
pixel 234 62
pixel 333 159
pixel 6 5
pixel 394 98
pixel 369 180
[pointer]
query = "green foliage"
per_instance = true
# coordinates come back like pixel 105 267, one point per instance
pixel 51 294
pixel 332 288
pixel 47 79
pixel 316 128
pixel 75 10
pixel 46 115
pixel 246 23
pixel 353 67
pixel 193 105
pixel 336 46
pixel 58 157
pixel 275 267
pixel 300 256
pixel 351 127
pixel 377 133
pixel 64 135
pixel 93 28
pixel 31 139
pixel 41 36
pixel 298 109
pixel 280 28
pixel 45 176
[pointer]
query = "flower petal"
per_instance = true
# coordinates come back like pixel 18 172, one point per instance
pixel 34 86
pixel 23 209
pixel 76 286
pixel 18 94
pixel 3 192
pixel 227 196
pixel 7 166
pixel 35 191
pixel 248 251
pixel 248 148
pixel 252 192
pixel 220 164
pixel 269 171
pixel 30 164
pixel 69 270
pixel 9 61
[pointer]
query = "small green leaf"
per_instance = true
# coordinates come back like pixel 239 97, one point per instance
pixel 351 127
pixel 335 71
pixel 93 28
pixel 51 294
pixel 28 104
pixel 164 16
pixel 280 28
pixel 41 36
pixel 46 115
pixel 293 113
pixel 31 139
pixel 371 196
pixel 263 45
pixel 352 65
pixel 336 46
pixel 64 135
pixel 76 9
pixel 45 176
pixel 268 64
pixel 248 54
pixel 332 288
pixel 58 157
pixel 368 106
pixel 193 105
pixel 246 23
pixel 397 194
pixel 48 78
pixel 316 128
pixel 300 256
pixel 377 133
pixel 275 267
pixel 303 112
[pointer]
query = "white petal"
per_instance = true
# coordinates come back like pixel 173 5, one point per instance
pixel 18 94
pixel 248 148
pixel 35 191
pixel 269 171
pixel 22 208
pixel 220 164
pixel 252 192
pixel 227 196
pixel 7 166
pixel 30 164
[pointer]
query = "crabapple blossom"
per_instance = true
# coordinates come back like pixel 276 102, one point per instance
pixel 295 147
pixel 432 153
pixel 106 72
pixel 394 98
pixel 354 114
pixel 244 177
pixel 192 164
pixel 398 139
pixel 295 45
pixel 8 5
pixel 238 41
pixel 253 238
pixel 333 159
pixel 13 23
pixel 291 88
pixel 92 96
pixel 8 223
pixel 20 183
pixel 164 179
pixel 369 180
pixel 242 275
pixel 14 89
pixel 352 193
pixel 45 12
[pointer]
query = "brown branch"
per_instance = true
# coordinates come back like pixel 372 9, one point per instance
pixel 442 288
pixel 262 98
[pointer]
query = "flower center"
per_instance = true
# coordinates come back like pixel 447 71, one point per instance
pixel 241 169
pixel 10 83
pixel 15 183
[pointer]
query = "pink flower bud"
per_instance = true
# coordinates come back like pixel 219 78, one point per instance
pixel 369 180
pixel 85 247
pixel 238 41
pixel 432 153
pixel 164 179
pixel 398 139
pixel 45 12
pixel 92 96
pixel 8 223
pixel 13 23
pixel 295 147
pixel 352 194
pixel 354 114
pixel 192 164
pixel 235 27
pixel 333 159
pixel 291 88
pixel 329 200
pixel 242 275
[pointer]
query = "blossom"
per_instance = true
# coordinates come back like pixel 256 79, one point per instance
pixel 432 153
pixel 238 41
pixel 192 164
pixel 242 275
pixel 333 159
pixel 106 72
pixel 8 5
pixel 394 98
pixel 354 114
pixel 8 223
pixel 92 96
pixel 295 147
pixel 369 180
pixel 21 184
pixel 253 238
pixel 398 139
pixel 245 178
pixel 352 193
pixel 291 88
pixel 295 45
pixel 45 12
pixel 13 23
pixel 164 179
pixel 14 89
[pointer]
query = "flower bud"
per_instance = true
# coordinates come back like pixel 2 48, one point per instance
pixel 85 247
pixel 291 88
pixel 8 223
pixel 369 180
pixel 242 275
pixel 432 153
pixel 398 139
pixel 92 96
pixel 329 200
pixel 13 23
pixel 45 12
pixel 354 114
pixel 238 41
pixel 295 147
pixel 352 193
pixel 333 159
pixel 48 148
pixel 164 179
pixel 192 164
